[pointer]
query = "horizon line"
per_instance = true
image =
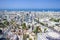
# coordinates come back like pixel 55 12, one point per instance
pixel 30 9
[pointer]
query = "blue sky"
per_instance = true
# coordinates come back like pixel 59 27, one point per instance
pixel 33 4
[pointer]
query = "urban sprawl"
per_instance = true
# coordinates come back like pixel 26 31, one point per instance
pixel 29 25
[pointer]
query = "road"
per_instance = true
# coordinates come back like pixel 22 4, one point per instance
pixel 5 33
pixel 49 27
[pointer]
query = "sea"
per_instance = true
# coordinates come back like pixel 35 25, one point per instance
pixel 51 9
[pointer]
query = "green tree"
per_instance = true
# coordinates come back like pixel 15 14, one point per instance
pixel 24 26
pixel 4 24
pixel 55 20
pixel 37 30
pixel 42 23
pixel 45 30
